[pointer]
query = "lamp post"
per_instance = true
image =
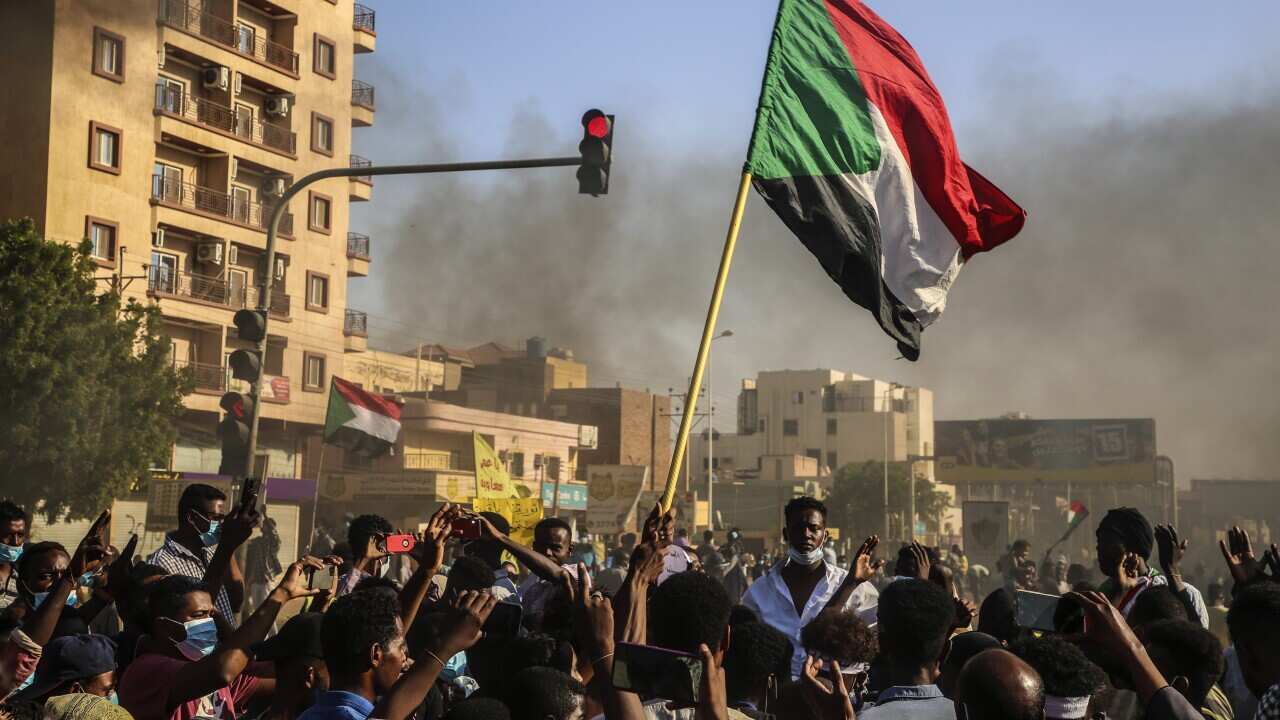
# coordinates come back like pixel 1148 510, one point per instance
pixel 711 436
pixel 886 396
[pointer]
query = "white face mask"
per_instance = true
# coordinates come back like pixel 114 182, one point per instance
pixel 800 557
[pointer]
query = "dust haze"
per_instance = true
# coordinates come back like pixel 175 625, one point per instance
pixel 1141 286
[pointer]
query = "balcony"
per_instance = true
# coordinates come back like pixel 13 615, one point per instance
pixel 172 102
pixel 164 283
pixel 365 35
pixel 355 331
pixel 358 256
pixel 360 186
pixel 206 378
pixel 362 105
pixel 437 461
pixel 189 17
pixel 198 200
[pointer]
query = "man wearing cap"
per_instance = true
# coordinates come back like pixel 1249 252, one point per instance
pixel 1125 542
pixel 301 673
pixel 74 664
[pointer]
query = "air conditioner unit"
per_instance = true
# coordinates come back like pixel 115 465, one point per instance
pixel 233 255
pixel 239 85
pixel 161 55
pixel 216 77
pixel 209 253
pixel 234 166
pixel 277 105
pixel 157 238
pixel 273 187
pixel 280 268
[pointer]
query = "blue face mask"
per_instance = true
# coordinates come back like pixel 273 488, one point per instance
pixel 9 554
pixel 37 599
pixel 210 537
pixel 113 698
pixel 202 638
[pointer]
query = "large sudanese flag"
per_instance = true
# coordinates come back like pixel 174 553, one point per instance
pixel 852 148
pixel 360 421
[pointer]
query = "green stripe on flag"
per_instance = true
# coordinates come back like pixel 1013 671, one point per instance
pixel 813 117
pixel 338 414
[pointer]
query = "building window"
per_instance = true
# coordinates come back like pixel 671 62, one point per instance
pixel 517 464
pixel 831 426
pixel 108 55
pixel 162 276
pixel 246 38
pixel 320 213
pixel 762 425
pixel 831 460
pixel 798 397
pixel 325 57
pixel 102 238
pixel 791 427
pixel 104 148
pixel 317 292
pixel 552 465
pixel 312 372
pixel 815 453
pixel 322 134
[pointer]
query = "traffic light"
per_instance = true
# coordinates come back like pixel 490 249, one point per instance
pixel 233 432
pixel 597 153
pixel 251 325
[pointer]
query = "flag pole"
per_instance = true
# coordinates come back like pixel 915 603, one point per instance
pixel 704 348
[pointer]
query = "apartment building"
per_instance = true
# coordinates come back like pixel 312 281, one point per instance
pixel 831 416
pixel 165 131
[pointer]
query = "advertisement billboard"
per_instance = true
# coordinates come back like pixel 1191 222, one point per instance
pixel 1075 451
pixel 986 532
pixel 612 491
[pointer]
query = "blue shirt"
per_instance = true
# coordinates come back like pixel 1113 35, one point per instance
pixel 338 705
pixel 910 702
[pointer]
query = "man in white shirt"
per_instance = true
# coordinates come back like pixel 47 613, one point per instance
pixel 803 584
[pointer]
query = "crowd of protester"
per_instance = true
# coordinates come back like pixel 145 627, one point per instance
pixel 465 622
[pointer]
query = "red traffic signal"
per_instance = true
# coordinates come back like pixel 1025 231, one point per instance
pixel 596 149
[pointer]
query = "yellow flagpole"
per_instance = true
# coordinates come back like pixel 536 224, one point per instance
pixel 704 348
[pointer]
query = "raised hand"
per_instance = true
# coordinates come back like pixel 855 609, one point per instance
pixel 1172 549
pixel 966 611
pixel 117 580
pixel 238 527
pixel 713 700
pixel 430 548
pixel 1126 574
pixel 921 557
pixel 826 703
pixel 864 565
pixel 294 584
pixel 1238 552
pixel 92 549
pixel 470 610
pixel 592 617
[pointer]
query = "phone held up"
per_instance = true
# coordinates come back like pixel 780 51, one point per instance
pixel 249 491
pixel 466 527
pixel 400 543
pixel 657 672
pixel 1035 610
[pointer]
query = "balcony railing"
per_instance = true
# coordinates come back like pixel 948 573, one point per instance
pixel 360 162
pixel 356 323
pixel 171 100
pixel 163 281
pixel 363 19
pixel 362 94
pixel 436 461
pixel 188 15
pixel 358 246
pixel 169 191
pixel 212 378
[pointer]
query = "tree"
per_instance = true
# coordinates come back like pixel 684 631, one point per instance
pixel 88 394
pixel 856 502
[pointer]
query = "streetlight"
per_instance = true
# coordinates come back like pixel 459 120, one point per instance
pixel 711 435
pixel 887 392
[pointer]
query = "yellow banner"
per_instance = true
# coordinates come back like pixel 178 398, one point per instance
pixel 492 480
pixel 522 513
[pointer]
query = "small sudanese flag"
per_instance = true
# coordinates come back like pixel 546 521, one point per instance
pixel 359 421
pixel 853 149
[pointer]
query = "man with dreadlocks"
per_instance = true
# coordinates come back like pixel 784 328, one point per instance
pixel 1125 543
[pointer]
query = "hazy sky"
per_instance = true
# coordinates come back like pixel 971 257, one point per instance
pixel 1140 136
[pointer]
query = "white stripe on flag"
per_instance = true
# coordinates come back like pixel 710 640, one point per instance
pixel 919 257
pixel 372 423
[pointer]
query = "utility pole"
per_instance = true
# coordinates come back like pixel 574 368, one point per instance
pixel 886 397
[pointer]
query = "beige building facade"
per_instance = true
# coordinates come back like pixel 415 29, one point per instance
pixel 165 132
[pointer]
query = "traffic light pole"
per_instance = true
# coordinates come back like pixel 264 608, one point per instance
pixel 268 274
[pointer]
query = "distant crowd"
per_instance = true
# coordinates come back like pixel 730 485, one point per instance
pixel 460 621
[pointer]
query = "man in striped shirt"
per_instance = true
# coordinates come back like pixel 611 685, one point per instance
pixel 204 545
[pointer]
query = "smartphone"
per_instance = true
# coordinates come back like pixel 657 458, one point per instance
pixel 249 490
pixel 397 544
pixel 504 621
pixel 1035 610
pixel 654 672
pixel 466 527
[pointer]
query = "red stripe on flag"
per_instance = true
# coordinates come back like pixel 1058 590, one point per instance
pixel 357 395
pixel 977 213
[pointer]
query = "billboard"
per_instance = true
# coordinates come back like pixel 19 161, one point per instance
pixel 1075 451
pixel 986 532
pixel 612 491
